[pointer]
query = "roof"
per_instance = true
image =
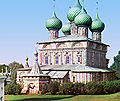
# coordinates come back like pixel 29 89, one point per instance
pixel 73 68
pixel 81 68
pixel 70 38
pixel 33 75
pixel 24 69
pixel 56 74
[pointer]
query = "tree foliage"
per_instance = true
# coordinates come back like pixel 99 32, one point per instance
pixel 14 66
pixel 53 87
pixel 91 88
pixel 116 65
pixel 13 89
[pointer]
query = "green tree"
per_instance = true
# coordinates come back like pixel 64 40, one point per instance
pixel 79 88
pixel 53 87
pixel 67 88
pixel 116 65
pixel 45 89
pixel 14 66
pixel 13 89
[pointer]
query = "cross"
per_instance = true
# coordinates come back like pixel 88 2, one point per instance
pixel 35 46
pixel 97 5
pixel 82 2
pixel 54 4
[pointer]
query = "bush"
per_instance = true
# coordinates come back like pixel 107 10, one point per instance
pixel 45 89
pixel 79 88
pixel 53 87
pixel 111 86
pixel 93 88
pixel 12 89
pixel 66 88
pixel 104 87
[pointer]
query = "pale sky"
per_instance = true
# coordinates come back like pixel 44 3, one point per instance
pixel 22 24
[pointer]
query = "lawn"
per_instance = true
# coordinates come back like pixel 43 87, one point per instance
pixel 111 97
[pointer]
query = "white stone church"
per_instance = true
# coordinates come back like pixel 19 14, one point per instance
pixel 73 57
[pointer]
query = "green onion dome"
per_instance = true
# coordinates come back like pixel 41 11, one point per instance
pixel 66 27
pixel 74 11
pixel 83 19
pixel 35 53
pixel 26 58
pixel 97 25
pixel 54 22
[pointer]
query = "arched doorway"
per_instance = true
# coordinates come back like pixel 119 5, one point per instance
pixel 31 88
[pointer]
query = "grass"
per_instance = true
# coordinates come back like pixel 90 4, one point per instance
pixel 111 97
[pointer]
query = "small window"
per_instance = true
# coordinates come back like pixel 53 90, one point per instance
pixel 67 59
pixel 56 60
pixel 78 59
pixel 46 60
pixel 73 79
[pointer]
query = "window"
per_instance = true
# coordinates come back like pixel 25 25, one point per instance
pixel 78 59
pixel 67 59
pixel 46 60
pixel 56 60
pixel 73 79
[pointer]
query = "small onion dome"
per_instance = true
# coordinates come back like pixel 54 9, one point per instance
pixel 26 58
pixel 36 53
pixel 83 19
pixel 54 22
pixel 74 11
pixel 97 25
pixel 66 27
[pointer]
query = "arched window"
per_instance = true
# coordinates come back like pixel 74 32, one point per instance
pixel 56 60
pixel 46 60
pixel 67 59
pixel 78 59
pixel 73 78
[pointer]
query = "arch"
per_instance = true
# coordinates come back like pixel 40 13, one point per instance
pixel 61 45
pixel 46 46
pixel 77 44
pixel 31 88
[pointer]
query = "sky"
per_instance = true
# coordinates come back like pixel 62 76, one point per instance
pixel 22 24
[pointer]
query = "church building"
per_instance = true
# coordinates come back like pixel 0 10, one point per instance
pixel 73 57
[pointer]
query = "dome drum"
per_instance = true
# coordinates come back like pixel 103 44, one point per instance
pixel 82 31
pixel 53 34
pixel 73 29
pixel 67 33
pixel 96 36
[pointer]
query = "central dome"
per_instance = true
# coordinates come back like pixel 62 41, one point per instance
pixel 54 22
pixel 83 19
pixel 74 11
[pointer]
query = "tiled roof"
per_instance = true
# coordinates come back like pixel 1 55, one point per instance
pixel 56 74
pixel 74 68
